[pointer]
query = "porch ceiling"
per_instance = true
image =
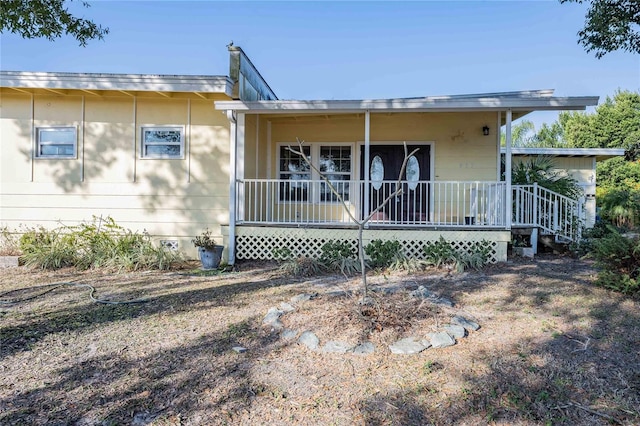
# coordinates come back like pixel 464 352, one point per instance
pixel 311 117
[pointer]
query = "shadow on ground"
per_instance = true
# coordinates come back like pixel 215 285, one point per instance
pixel 583 369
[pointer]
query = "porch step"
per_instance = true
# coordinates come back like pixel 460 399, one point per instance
pixel 550 242
pixel 546 241
pixel 521 236
pixel 522 230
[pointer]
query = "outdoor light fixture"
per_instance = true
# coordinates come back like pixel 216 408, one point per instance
pixel 485 130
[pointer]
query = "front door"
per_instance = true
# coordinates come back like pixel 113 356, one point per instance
pixel 385 163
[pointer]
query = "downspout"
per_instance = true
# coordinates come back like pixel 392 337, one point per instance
pixel 507 172
pixel 231 116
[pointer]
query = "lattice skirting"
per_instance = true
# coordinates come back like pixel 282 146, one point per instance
pixel 259 242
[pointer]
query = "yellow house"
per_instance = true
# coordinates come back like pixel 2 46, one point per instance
pixel 173 155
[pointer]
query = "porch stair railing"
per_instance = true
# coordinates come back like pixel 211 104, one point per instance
pixel 550 212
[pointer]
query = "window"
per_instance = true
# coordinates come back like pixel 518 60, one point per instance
pixel 376 173
pixel 163 142
pixel 294 169
pixel 335 164
pixel 334 161
pixel 56 142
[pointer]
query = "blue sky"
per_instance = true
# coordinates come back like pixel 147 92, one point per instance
pixel 346 50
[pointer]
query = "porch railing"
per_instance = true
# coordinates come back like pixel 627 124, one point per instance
pixel 433 203
pixel 551 212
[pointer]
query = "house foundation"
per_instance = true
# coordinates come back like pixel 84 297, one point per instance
pixel 259 243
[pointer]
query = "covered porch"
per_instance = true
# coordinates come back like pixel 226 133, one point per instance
pixel 452 182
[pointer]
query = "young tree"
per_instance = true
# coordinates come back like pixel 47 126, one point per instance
pixel 610 25
pixel 47 18
pixel 360 223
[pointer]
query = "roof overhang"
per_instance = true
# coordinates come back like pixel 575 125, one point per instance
pixel 89 82
pixel 523 102
pixel 599 153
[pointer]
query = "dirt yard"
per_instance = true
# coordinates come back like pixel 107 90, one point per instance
pixel 552 349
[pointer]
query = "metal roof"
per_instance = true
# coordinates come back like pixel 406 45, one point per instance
pixel 527 101
pixel 20 80
pixel 599 153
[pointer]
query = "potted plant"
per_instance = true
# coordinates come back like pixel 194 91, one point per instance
pixel 210 253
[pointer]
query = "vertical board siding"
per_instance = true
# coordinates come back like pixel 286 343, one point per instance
pixel 165 197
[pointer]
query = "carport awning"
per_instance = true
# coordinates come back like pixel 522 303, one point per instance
pixel 599 153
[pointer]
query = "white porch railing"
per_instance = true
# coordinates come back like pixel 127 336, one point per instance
pixel 551 212
pixel 432 203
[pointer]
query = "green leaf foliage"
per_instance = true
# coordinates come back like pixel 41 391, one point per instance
pixel 541 170
pixel 339 256
pixel 522 133
pixel 383 254
pixel 610 25
pixel 620 206
pixel 549 136
pixel 618 256
pixel 98 244
pixel 442 253
pixel 614 124
pixel 49 19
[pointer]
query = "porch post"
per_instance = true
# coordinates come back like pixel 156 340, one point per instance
pixel 232 187
pixel 534 204
pixel 498 126
pixel 240 165
pixel 367 153
pixel 507 172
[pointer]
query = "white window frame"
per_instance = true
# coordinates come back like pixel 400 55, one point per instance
pixel 279 171
pixel 144 143
pixel 315 148
pixel 39 143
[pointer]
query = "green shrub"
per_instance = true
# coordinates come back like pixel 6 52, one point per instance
pixel 584 246
pixel 480 253
pixel 301 266
pixel 383 254
pixel 620 205
pixel 282 254
pixel 334 250
pixel 619 258
pixel 101 243
pixel 474 260
pixel 339 256
pixel 442 253
pixel 622 283
pixel 46 249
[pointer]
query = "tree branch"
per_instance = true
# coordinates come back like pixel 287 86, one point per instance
pixel 324 178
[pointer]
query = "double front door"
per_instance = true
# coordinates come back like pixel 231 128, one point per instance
pixel 411 205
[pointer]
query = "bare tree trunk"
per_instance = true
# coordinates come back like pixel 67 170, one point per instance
pixel 363 265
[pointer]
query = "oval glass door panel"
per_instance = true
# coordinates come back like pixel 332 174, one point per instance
pixel 413 172
pixel 377 172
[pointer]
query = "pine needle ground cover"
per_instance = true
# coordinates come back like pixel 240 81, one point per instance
pixel 553 348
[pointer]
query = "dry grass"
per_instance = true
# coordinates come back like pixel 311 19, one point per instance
pixel 553 349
